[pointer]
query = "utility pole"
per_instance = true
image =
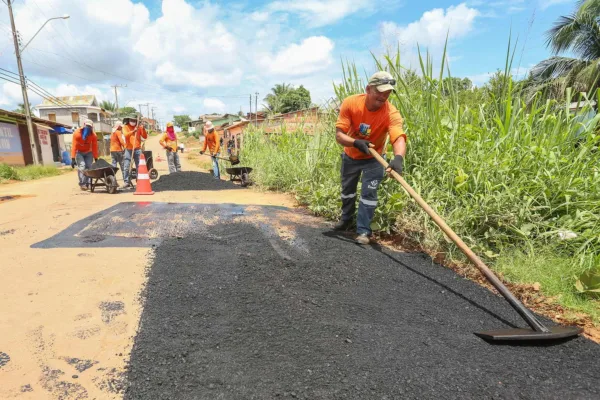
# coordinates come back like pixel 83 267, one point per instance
pixel 250 113
pixel 34 153
pixel 256 108
pixel 153 120
pixel 117 98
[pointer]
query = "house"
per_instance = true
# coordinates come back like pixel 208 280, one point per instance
pixel 150 124
pixel 216 119
pixel 74 110
pixel 234 130
pixel 257 118
pixel 15 146
pixel 305 119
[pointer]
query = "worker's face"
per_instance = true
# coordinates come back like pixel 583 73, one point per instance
pixel 375 98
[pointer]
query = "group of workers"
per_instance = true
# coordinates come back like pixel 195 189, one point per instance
pixel 365 123
pixel 125 144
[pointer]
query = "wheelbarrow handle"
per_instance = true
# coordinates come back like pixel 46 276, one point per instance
pixel 484 269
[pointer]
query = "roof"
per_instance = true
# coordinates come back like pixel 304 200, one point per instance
pixel 238 123
pixel 83 100
pixel 582 104
pixel 19 116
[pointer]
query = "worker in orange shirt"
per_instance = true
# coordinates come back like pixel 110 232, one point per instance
pixel 133 145
pixel 84 150
pixel 365 121
pixel 169 142
pixel 117 147
pixel 211 141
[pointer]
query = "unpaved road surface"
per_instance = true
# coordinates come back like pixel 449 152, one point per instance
pixel 208 291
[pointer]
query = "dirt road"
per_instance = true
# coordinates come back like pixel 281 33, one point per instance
pixel 208 291
pixel 68 316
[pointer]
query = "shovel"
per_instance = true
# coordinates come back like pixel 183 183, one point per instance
pixel 538 331
pixel 234 160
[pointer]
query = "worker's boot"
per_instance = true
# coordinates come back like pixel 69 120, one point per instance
pixel 363 239
pixel 343 225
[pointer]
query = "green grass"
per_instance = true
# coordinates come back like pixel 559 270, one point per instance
pixel 27 173
pixel 504 173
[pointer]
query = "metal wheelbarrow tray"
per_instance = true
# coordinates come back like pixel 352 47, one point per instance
pixel 103 177
pixel 239 174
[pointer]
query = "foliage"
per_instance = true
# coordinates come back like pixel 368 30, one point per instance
pixel 181 121
pixel 107 105
pixel 506 175
pixel 21 109
pixel 577 34
pixel 125 111
pixel 285 98
pixel 27 173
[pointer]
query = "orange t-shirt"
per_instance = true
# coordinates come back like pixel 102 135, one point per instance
pixel 84 146
pixel 359 123
pixel 133 140
pixel 117 141
pixel 211 140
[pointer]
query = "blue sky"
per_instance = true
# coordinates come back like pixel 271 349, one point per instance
pixel 193 57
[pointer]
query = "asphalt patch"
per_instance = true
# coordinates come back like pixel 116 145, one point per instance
pixel 191 180
pixel 101 163
pixel 239 314
pixel 110 310
pixel 4 359
pixel 80 365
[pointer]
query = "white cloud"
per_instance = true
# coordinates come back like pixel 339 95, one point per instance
pixel 321 12
pixel 431 29
pixel 312 54
pixel 214 105
pixel 259 16
pixel 179 109
pixel 544 4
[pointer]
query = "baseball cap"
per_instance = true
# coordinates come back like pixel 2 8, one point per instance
pixel 89 122
pixel 383 81
pixel 209 125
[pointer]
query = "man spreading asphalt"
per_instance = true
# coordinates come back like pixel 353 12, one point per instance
pixel 211 141
pixel 84 150
pixel 133 143
pixel 169 142
pixel 365 121
pixel 117 147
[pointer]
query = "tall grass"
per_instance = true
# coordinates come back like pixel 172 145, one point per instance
pixel 506 174
pixel 27 173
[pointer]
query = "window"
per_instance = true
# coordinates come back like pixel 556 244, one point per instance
pixel 52 117
pixel 75 117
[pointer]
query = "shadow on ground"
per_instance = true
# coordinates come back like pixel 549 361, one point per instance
pixel 242 310
pixel 191 180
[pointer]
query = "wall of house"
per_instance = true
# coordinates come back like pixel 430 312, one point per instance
pixel 63 115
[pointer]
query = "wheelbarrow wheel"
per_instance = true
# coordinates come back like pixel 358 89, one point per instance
pixel 133 173
pixel 245 179
pixel 153 174
pixel 111 184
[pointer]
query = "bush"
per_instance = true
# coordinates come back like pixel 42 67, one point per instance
pixel 27 173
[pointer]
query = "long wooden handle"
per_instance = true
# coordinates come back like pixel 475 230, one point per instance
pixel 485 270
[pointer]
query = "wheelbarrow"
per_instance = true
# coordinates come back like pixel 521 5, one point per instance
pixel 239 174
pixel 149 164
pixel 103 177
pixel 233 159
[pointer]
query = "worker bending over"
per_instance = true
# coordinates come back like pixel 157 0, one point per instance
pixel 365 121
pixel 84 151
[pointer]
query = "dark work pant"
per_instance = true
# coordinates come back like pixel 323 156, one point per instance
pixel 372 174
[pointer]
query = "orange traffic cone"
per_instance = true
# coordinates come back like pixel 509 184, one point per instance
pixel 143 179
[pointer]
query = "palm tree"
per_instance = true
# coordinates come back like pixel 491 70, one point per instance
pixel 579 34
pixel 107 105
pixel 21 109
pixel 274 99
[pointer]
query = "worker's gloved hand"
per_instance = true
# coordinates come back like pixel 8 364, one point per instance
pixel 95 160
pixel 362 145
pixel 73 163
pixel 168 149
pixel 397 164
pixel 202 152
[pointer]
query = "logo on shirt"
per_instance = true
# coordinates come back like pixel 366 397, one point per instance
pixel 364 129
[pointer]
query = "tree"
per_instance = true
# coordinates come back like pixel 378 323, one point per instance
pixel 107 105
pixel 181 121
pixel 127 111
pixel 285 98
pixel 578 34
pixel 21 108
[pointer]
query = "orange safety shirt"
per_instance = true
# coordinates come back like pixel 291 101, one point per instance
pixel 132 139
pixel 166 142
pixel 84 146
pixel 211 140
pixel 117 141
pixel 359 123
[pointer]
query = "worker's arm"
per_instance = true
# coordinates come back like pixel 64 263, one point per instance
pixel 205 144
pixel 217 143
pixel 121 139
pixel 162 141
pixel 342 138
pixel 94 146
pixel 144 133
pixel 74 145
pixel 398 139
